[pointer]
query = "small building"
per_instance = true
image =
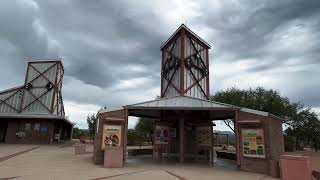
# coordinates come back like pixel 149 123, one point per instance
pixel 34 112
pixel 184 115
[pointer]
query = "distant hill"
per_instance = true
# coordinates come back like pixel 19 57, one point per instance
pixel 220 137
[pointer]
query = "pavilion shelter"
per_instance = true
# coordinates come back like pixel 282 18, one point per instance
pixel 184 116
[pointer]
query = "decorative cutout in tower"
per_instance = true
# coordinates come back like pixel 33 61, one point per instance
pixel 185 65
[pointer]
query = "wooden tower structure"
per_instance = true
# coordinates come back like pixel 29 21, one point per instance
pixel 34 112
pixel 185 65
pixel 41 92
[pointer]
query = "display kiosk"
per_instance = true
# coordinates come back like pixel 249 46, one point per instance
pixel 112 144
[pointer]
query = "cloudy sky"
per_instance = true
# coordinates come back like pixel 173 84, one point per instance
pixel 111 53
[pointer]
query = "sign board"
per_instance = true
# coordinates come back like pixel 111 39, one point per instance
pixel 253 143
pixel 172 132
pixel 162 134
pixel 44 129
pixel 204 135
pixel 111 135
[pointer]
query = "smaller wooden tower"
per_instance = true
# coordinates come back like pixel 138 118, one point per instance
pixel 185 65
pixel 41 92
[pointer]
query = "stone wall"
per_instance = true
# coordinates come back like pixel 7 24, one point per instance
pixel 274 145
pixel 98 153
pixel 43 135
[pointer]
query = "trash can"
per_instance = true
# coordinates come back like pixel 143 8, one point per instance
pixel 295 167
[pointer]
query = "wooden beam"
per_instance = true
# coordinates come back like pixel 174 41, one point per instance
pixel 181 139
pixel 182 66
pixel 237 133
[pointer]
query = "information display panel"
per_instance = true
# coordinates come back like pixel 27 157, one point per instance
pixel 111 135
pixel 204 135
pixel 162 134
pixel 253 142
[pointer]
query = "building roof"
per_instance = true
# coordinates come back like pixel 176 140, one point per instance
pixel 182 26
pixel 191 103
pixel 109 109
pixel 181 102
pixel 34 116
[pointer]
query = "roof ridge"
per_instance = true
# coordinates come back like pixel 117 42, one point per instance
pixel 190 31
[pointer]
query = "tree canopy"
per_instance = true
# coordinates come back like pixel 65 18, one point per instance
pixel 92 122
pixel 262 99
pixel 145 128
pixel 303 124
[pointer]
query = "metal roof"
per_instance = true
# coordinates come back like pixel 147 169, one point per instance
pixel 34 116
pixel 181 102
pixel 191 32
pixel 109 109
pixel 191 103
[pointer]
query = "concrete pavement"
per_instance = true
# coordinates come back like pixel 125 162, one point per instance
pixel 53 162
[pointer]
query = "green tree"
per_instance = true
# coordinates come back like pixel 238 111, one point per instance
pixel 304 125
pixel 259 99
pixel 77 133
pixel 306 129
pixel 92 123
pixel 144 128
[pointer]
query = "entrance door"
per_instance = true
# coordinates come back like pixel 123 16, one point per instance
pixel 3 130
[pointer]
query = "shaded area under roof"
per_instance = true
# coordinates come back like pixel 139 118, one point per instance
pixel 34 116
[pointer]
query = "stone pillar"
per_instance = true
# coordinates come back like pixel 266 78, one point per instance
pixel 181 140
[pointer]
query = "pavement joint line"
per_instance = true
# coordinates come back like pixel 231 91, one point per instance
pixel 175 175
pixel 116 175
pixel 8 178
pixel 16 154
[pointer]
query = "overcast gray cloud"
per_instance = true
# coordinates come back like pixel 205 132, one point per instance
pixel 111 49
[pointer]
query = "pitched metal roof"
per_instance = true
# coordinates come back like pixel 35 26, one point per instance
pixel 109 109
pixel 34 116
pixel 186 102
pixel 182 26
pixel 181 102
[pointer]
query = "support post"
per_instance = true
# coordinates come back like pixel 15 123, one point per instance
pixel 182 66
pixel 181 138
pixel 71 132
pixel 227 140
pixel 236 129
pixel 125 134
pixel 211 143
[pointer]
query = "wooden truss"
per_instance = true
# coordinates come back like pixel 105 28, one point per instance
pixel 193 63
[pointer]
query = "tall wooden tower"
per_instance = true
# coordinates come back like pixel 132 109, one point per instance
pixel 185 65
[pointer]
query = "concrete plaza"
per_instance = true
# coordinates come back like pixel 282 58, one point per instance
pixel 59 162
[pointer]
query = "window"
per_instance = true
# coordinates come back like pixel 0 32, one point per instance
pixel 27 126
pixel 36 126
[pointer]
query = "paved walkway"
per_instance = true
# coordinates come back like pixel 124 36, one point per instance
pixel 54 162
pixel 8 151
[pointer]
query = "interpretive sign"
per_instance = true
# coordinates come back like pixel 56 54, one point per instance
pixel 111 135
pixel 204 135
pixel 172 132
pixel 253 143
pixel 162 134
